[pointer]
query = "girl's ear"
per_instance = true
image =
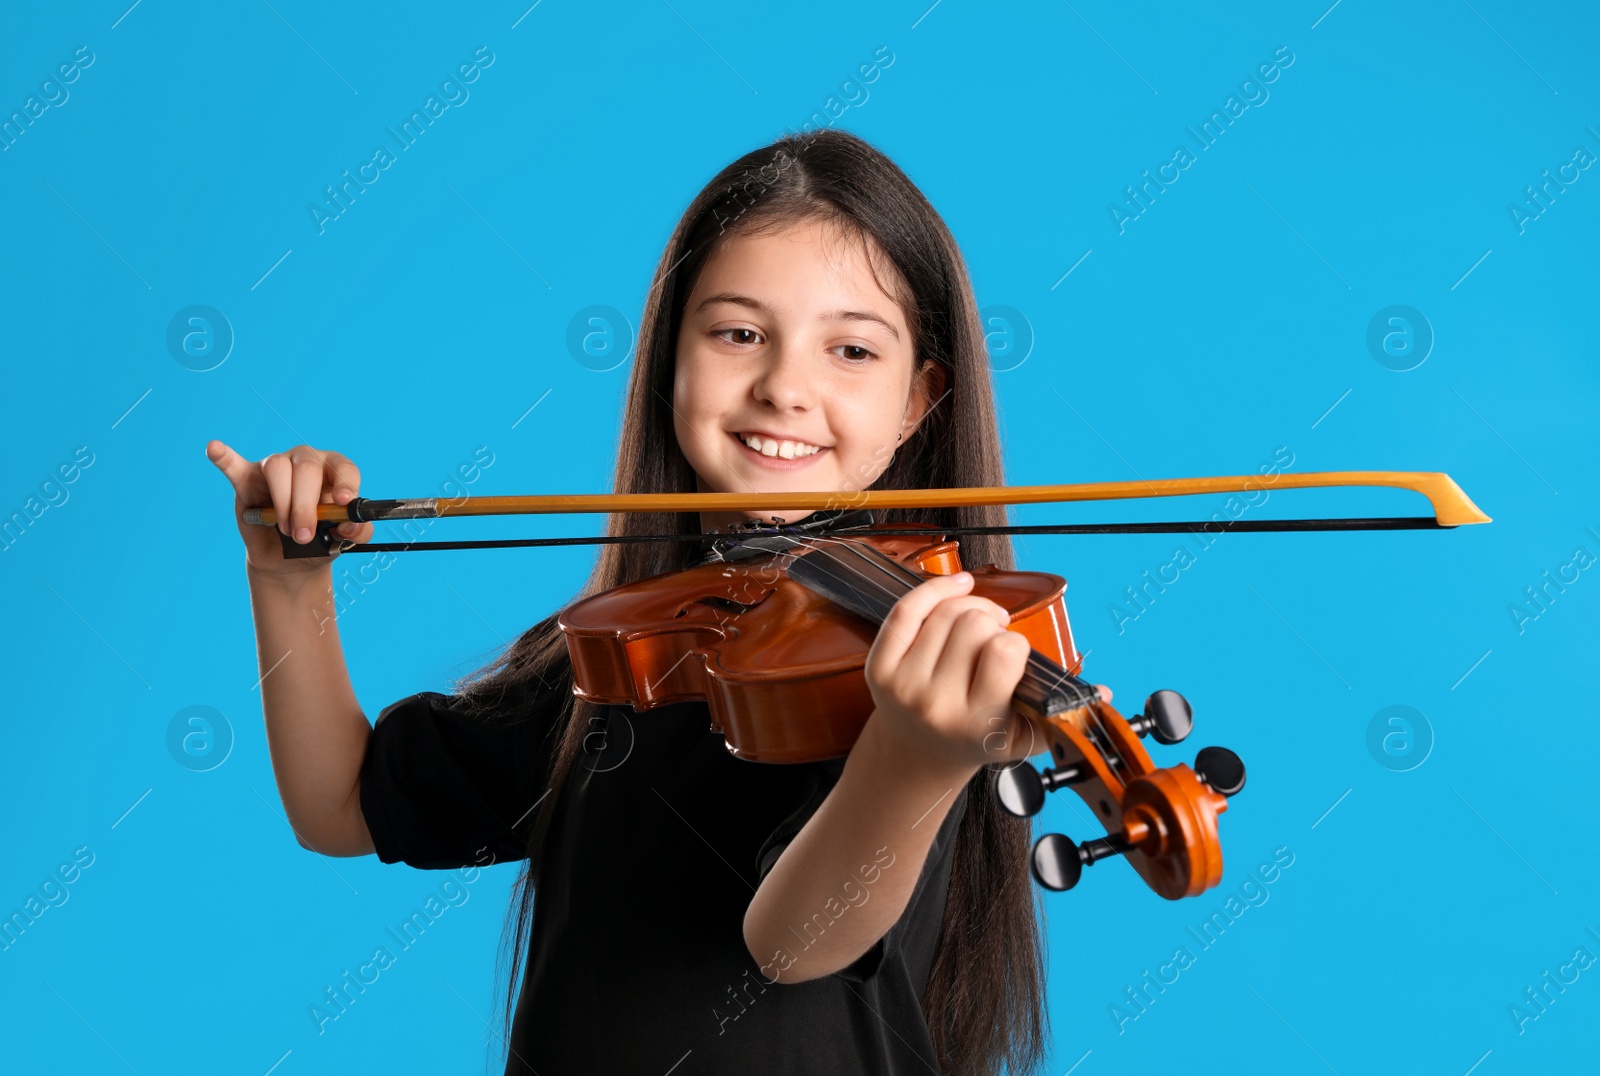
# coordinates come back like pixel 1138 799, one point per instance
pixel 927 389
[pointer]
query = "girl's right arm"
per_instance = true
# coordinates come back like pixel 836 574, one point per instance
pixel 316 732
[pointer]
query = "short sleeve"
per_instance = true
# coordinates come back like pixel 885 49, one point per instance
pixel 927 897
pixel 445 787
pixel 823 776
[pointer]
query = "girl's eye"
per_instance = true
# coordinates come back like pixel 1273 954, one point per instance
pixel 749 333
pixel 860 354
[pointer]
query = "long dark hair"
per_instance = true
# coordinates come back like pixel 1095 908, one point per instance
pixel 984 995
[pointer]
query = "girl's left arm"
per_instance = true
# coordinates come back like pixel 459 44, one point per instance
pixel 847 876
pixel 942 670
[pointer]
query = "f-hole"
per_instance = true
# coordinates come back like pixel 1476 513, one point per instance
pixel 726 605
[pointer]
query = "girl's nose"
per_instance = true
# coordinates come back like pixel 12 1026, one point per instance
pixel 785 379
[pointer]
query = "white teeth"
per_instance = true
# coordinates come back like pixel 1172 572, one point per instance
pixel 789 450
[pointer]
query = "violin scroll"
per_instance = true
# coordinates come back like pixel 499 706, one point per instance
pixel 1162 820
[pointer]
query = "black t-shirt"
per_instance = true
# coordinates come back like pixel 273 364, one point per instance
pixel 637 962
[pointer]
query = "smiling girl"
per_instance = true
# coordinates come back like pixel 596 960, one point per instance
pixel 811 327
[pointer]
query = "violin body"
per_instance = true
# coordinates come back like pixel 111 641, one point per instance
pixel 781 668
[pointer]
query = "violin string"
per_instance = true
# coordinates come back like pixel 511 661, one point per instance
pixel 817 542
pixel 1079 694
pixel 1047 670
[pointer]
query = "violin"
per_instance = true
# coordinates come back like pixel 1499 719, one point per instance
pixel 772 632
pixel 772 628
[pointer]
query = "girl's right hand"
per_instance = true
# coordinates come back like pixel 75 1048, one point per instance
pixel 293 483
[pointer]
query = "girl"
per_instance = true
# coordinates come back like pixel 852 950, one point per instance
pixel 811 327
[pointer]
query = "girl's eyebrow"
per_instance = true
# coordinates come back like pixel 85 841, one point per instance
pixel 828 315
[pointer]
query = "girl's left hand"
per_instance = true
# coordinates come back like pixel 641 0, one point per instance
pixel 943 671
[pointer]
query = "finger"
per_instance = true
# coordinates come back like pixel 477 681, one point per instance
pixel 1105 692
pixel 343 477
pixel 1001 661
pixel 306 493
pixel 933 639
pixel 240 472
pixel 278 473
pixel 954 663
pixel 956 606
pixel 960 603
pixel 1019 738
pixel 360 533
pixel 937 626
pixel 1001 664
pixel 899 629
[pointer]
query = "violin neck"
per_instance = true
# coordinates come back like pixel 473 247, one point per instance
pixel 867 583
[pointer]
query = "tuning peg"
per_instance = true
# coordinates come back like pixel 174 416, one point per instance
pixel 1021 788
pixel 1221 769
pixel 1166 716
pixel 1058 861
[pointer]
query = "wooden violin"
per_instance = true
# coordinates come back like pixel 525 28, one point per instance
pixel 773 633
pixel 772 629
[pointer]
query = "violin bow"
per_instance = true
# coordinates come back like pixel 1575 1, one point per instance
pixel 1451 508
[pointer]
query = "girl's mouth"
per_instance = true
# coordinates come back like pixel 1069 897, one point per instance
pixel 777 463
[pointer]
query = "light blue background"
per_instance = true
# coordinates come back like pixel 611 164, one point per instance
pixel 1227 320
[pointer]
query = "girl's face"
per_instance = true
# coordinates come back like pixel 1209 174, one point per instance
pixel 794 370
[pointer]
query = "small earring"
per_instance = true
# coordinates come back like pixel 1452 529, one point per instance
pixel 902 437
